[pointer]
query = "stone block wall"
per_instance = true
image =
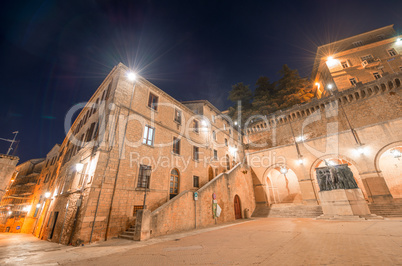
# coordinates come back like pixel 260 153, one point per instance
pixel 184 213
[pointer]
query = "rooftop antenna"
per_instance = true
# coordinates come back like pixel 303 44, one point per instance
pixel 12 142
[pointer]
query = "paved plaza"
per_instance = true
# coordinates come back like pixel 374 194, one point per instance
pixel 265 241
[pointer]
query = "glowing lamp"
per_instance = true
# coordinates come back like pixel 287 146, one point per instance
pixel 131 76
pixel 300 138
pixel 331 61
pixel 329 86
pixel 283 170
pixel 396 153
pixel 232 150
pixel 399 41
pixel 300 161
pixel 204 123
pixel 360 150
pixel 79 167
pixel 47 195
pixel 10 212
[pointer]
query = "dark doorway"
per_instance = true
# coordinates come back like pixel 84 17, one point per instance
pixel 210 173
pixel 56 214
pixel 237 207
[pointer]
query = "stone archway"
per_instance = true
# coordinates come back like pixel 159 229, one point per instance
pixel 389 163
pixel 282 185
pixel 335 160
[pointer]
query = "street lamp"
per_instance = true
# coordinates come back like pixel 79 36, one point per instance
pixel 131 76
pixel 47 195
pixel 79 167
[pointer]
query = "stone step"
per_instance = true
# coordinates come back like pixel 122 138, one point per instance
pixel 124 236
pixel 287 210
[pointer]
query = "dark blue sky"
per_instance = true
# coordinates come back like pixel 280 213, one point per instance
pixel 56 53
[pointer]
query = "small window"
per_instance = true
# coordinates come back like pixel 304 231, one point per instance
pixel 177 116
pixel 196 126
pixel 224 126
pixel 213 118
pixel 144 176
pixel 392 52
pixel 345 64
pixel 153 101
pixel 215 154
pixel 400 68
pixel 214 135
pixel 196 153
pixel 230 131
pixel 376 75
pixel 196 181
pixel 369 58
pixel 176 145
pixel 226 142
pixel 148 138
pixel 353 81
pixel 358 44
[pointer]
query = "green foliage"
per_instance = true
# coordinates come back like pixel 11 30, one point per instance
pixel 268 96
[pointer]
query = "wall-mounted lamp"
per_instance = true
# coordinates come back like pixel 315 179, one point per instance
pixel 79 167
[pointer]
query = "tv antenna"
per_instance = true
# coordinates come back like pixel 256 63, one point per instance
pixel 12 142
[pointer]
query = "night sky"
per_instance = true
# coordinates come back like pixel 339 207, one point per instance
pixel 56 53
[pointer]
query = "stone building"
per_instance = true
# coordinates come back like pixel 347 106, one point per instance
pixel 18 198
pixel 354 123
pixel 7 170
pixel 33 222
pixel 133 145
pixel 357 60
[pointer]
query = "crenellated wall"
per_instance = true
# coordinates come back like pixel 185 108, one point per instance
pixel 361 126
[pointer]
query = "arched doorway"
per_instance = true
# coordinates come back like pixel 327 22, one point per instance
pixel 390 164
pixel 282 186
pixel 337 161
pixel 237 207
pixel 210 173
pixel 174 183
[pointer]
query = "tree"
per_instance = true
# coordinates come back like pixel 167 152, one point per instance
pixel 292 89
pixel 264 97
pixel 241 93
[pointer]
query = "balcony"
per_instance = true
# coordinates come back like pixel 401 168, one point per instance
pixel 369 63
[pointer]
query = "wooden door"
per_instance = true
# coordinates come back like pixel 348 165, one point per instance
pixel 237 207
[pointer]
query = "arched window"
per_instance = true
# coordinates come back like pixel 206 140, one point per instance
pixel 174 183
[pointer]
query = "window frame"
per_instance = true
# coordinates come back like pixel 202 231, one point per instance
pixel 142 178
pixel 353 81
pixel 178 116
pixel 392 52
pixel 196 126
pixel 151 103
pixel 377 75
pixel 176 146
pixel 146 139
pixel 343 63
pixel 196 151
pixel 196 178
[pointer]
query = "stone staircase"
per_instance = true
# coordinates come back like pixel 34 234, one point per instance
pixel 129 234
pixel 387 209
pixel 288 211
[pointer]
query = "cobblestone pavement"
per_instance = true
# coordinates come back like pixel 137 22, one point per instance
pixel 273 241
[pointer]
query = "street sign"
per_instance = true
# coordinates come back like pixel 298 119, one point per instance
pixel 195 195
